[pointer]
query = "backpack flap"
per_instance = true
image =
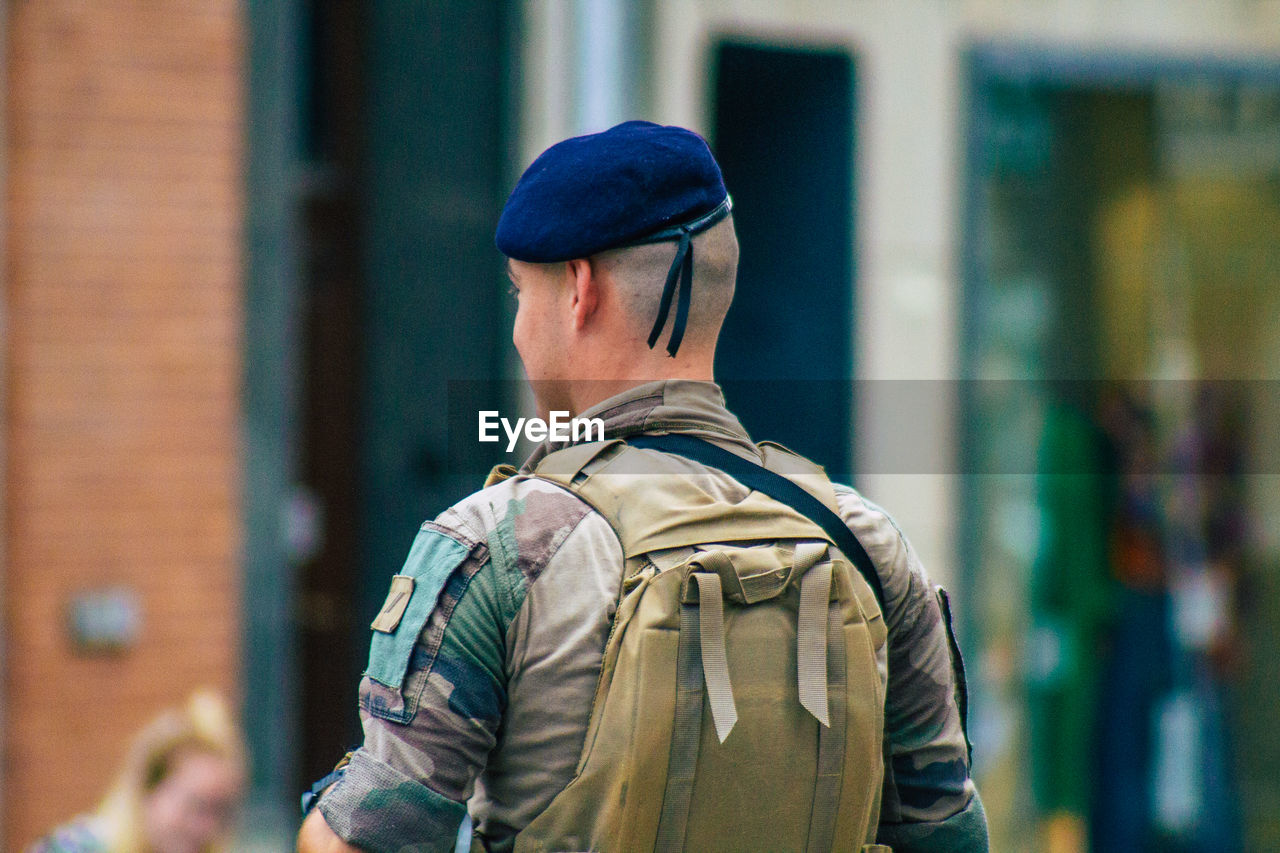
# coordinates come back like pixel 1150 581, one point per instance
pixel 749 575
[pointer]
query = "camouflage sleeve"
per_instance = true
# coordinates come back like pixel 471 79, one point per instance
pixel 929 800
pixel 431 699
pixel 963 832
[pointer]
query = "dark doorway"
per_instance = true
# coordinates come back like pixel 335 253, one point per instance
pixel 436 314
pixel 1119 238
pixel 783 134
pixel 402 169
pixel 323 535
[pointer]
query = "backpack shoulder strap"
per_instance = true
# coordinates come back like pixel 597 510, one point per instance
pixel 776 486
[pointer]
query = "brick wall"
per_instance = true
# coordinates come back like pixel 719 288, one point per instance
pixel 122 294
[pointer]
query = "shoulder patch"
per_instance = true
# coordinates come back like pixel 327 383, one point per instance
pixel 431 561
pixel 397 602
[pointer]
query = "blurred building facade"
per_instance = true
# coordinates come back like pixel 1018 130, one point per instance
pixel 122 311
pixel 250 286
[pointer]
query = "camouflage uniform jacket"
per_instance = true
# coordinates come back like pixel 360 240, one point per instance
pixel 483 700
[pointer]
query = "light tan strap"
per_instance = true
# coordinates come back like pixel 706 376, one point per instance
pixel 831 740
pixel 807 555
pixel 876 848
pixel 686 735
pixel 811 641
pixel 715 663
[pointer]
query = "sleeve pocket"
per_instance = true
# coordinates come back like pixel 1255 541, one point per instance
pixel 432 559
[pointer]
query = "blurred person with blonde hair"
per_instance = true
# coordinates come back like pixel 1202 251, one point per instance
pixel 178 792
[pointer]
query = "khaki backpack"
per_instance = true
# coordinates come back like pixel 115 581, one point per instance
pixel 739 706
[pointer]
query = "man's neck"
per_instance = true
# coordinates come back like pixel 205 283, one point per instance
pixel 584 394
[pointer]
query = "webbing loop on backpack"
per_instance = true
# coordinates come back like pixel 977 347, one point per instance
pixel 831 741
pixel 715 662
pixel 701 666
pixel 686 734
pixel 811 641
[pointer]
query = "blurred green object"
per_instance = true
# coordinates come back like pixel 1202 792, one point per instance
pixel 1071 601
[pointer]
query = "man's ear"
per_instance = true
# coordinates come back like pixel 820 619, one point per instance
pixel 585 293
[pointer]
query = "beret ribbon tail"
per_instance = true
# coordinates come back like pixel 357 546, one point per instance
pixel 681 276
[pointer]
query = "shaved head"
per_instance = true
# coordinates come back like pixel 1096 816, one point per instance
pixel 639 273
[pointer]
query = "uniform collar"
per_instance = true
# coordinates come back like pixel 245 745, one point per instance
pixel 668 405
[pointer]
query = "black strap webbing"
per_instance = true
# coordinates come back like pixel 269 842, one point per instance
pixel 776 486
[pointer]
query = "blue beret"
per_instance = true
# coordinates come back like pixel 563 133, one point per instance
pixel 607 190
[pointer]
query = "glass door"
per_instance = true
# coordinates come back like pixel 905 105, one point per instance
pixel 1122 275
